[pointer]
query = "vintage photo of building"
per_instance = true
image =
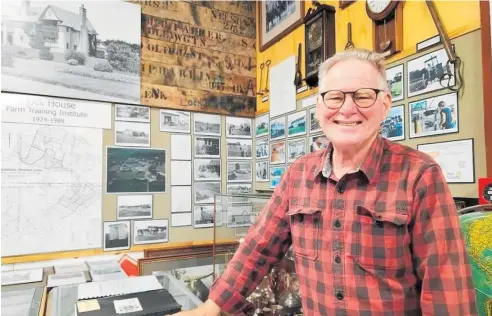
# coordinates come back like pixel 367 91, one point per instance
pixel 131 134
pixel 296 148
pixel 134 206
pixel 277 152
pixel 203 216
pixel 132 113
pixel 77 49
pixel 207 169
pixel 262 148
pixel 206 124
pixel 261 123
pixel 238 127
pixel 239 148
pixel 296 123
pixel 150 232
pixel 278 11
pixel 262 171
pixel 276 174
pixel 395 80
pixel 205 192
pixel 277 128
pixel 240 171
pixel 207 147
pixel 116 235
pixel 135 170
pixel 239 216
pixel 393 127
pixel 314 126
pixel 174 121
pixel 239 188
pixel 317 142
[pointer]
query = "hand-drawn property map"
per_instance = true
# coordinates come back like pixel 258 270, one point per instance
pixel 51 188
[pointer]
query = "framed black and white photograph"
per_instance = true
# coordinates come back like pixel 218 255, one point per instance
pixel 180 147
pixel 239 188
pixel 116 235
pixel 206 124
pixel 150 232
pixel 262 148
pixel 203 216
pixel 134 206
pixel 206 169
pixel 277 128
pixel 261 125
pixel 296 148
pixel 277 152
pixel 135 170
pixel 262 171
pixel 205 192
pixel 239 171
pixel 393 127
pixel 238 127
pixel 181 199
pixel 239 216
pixel 132 113
pixel 395 80
pixel 74 49
pixel 276 174
pixel 207 147
pixel 424 73
pixel 181 172
pixel 296 123
pixel 131 134
pixel 314 126
pixel 174 121
pixel 434 116
pixel 317 142
pixel 239 148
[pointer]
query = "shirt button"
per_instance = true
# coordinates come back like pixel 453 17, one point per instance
pixel 300 217
pixel 337 259
pixel 340 295
pixel 337 223
pixel 341 188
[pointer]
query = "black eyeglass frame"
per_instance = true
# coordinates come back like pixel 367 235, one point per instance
pixel 377 91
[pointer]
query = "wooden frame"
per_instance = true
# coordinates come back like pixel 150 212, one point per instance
pixel 345 3
pixel 226 246
pixel 487 80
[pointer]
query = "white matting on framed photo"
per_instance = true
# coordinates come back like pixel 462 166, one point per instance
pixel 396 82
pixel 239 171
pixel 277 128
pixel 296 123
pixel 261 125
pixel 240 216
pixel 131 134
pixel 262 148
pixel 239 188
pixel 277 152
pixel 132 113
pixel 314 126
pixel 238 127
pixel 206 124
pixel 134 206
pixel 174 121
pixel 180 147
pixel 205 192
pixel 296 149
pixel 180 172
pixel 239 148
pixel 262 171
pixel 181 199
pixel 203 216
pixel 393 127
pixel 206 169
pixel 207 147
pixel 456 159
pixel 180 219
pixel 150 232
pixel 116 235
pixel 434 116
pixel 424 73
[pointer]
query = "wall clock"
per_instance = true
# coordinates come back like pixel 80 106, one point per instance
pixel 387 19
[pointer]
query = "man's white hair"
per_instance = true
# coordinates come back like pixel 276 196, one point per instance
pixel 375 59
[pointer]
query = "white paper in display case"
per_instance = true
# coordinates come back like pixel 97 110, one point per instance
pixel 118 287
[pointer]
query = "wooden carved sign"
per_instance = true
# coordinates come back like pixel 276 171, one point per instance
pixel 199 56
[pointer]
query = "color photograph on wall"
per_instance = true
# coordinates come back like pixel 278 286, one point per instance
pixel 261 125
pixel 296 149
pixel 317 142
pixel 393 127
pixel 277 152
pixel 72 49
pixel 296 123
pixel 276 174
pixel 277 128
pixel 314 126
pixel 395 80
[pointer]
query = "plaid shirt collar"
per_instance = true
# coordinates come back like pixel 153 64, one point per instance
pixel 368 167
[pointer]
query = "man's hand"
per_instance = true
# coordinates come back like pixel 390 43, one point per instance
pixel 209 308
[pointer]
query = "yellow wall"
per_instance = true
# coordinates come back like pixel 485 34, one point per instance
pixel 458 17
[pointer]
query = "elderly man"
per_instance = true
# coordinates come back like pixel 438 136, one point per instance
pixel 372 223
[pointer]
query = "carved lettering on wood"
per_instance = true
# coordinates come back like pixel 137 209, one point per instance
pixel 244 8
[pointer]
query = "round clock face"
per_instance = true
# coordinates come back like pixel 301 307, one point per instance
pixel 378 6
pixel 487 193
pixel 315 33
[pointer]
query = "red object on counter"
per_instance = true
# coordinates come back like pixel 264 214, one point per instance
pixel 129 265
pixel 485 190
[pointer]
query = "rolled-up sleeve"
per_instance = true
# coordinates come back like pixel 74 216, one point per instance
pixel 265 244
pixel 440 258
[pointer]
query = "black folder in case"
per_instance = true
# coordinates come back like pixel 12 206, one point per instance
pixel 150 303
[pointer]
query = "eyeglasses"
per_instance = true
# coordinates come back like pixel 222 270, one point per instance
pixel 363 98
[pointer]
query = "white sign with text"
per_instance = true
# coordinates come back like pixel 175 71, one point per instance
pixel 32 109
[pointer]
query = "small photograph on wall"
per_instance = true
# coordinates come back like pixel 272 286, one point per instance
pixel 296 123
pixel 393 127
pixel 238 127
pixel 70 49
pixel 262 148
pixel 239 188
pixel 134 206
pixel 174 121
pixel 317 142
pixel 395 79
pixel 276 174
pixel 132 113
pixel 314 126
pixel 116 235
pixel 296 149
pixel 205 192
pixel 207 169
pixel 207 147
pixel 150 232
pixel 135 170
pixel 262 171
pixel 239 171
pixel 277 128
pixel 239 148
pixel 277 152
pixel 239 216
pixel 203 216
pixel 206 124
pixel 131 134
pixel 434 116
pixel 261 123
pixel 425 72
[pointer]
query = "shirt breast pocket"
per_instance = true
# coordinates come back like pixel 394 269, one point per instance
pixel 381 239
pixel 305 228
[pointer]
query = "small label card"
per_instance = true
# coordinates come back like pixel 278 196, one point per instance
pixel 130 305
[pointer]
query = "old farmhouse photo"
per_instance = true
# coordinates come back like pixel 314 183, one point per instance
pixel 206 124
pixel 132 113
pixel 131 134
pixel 207 147
pixel 239 171
pixel 238 127
pixel 116 235
pixel 174 121
pixel 132 170
pixel 150 232
pixel 203 216
pixel 393 127
pixel 77 49
pixel 262 171
pixel 205 191
pixel 261 123
pixel 206 169
pixel 262 148
pixel 239 148
pixel 395 80
pixel 134 206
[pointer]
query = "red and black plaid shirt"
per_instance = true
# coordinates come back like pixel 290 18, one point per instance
pixel 384 240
